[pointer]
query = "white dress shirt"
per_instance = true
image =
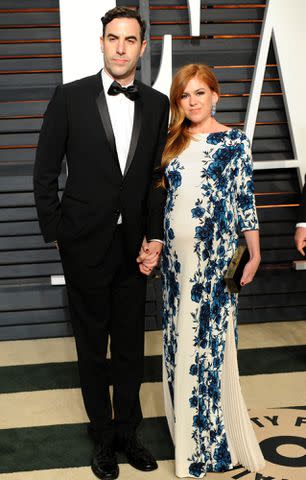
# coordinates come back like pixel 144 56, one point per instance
pixel 121 112
pixel 301 224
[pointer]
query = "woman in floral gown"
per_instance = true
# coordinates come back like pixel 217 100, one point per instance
pixel 210 198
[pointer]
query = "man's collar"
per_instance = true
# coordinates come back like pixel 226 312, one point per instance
pixel 107 80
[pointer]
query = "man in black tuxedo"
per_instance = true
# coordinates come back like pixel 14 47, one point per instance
pixel 112 131
pixel 300 232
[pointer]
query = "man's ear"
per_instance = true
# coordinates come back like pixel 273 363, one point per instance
pixel 102 43
pixel 143 47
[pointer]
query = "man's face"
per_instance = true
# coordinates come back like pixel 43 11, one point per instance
pixel 122 47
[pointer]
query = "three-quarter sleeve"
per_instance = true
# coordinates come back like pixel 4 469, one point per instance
pixel 245 198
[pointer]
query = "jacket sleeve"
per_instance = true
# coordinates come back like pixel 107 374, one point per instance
pixel 157 195
pixel 47 168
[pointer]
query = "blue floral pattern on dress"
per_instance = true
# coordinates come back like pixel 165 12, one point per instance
pixel 171 265
pixel 225 206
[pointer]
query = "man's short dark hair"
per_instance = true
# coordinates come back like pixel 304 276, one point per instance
pixel 124 12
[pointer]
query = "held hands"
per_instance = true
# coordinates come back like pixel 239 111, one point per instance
pixel 300 239
pixel 249 271
pixel 149 256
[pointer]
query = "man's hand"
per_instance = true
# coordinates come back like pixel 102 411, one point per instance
pixel 300 239
pixel 149 256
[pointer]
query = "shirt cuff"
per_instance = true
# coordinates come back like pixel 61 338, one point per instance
pixel 301 224
pixel 156 240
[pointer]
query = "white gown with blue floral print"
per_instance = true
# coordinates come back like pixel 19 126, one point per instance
pixel 210 198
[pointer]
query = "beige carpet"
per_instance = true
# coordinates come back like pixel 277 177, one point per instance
pixel 264 395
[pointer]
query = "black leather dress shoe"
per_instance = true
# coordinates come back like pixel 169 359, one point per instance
pixel 138 456
pixel 104 463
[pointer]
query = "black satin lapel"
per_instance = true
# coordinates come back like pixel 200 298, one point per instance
pixel 135 134
pixel 106 121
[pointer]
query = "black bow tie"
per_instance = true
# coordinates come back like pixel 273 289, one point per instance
pixel 130 92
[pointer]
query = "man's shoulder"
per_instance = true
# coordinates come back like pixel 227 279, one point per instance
pixel 82 83
pixel 150 92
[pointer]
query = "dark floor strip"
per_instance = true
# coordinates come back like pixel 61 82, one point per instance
pixel 27 378
pixel 65 375
pixel 297 407
pixel 256 361
pixel 63 446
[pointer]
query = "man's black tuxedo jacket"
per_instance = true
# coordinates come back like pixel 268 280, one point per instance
pixel 77 124
pixel 302 209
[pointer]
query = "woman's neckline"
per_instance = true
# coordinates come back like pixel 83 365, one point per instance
pixel 212 133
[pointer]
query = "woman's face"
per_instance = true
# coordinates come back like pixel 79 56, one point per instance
pixel 197 100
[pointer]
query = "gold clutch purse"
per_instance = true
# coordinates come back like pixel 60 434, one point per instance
pixel 234 271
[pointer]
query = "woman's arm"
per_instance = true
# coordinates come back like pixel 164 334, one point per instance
pixel 252 241
pixel 246 210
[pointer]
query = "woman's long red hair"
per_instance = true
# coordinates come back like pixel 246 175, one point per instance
pixel 178 136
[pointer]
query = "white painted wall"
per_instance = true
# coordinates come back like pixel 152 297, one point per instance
pixel 81 29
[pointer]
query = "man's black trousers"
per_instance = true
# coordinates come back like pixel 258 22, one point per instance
pixel 108 300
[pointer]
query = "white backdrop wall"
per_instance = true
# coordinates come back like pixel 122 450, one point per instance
pixel 284 22
pixel 81 29
pixel 289 20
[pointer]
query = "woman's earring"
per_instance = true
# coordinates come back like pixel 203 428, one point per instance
pixel 213 109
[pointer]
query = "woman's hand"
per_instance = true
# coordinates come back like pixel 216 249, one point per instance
pixel 252 241
pixel 249 271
